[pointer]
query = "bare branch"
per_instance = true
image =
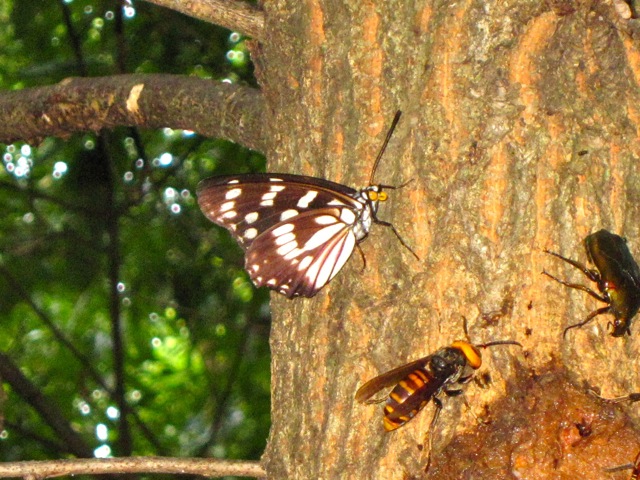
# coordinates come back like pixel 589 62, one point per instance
pixel 235 15
pixel 82 358
pixel 190 466
pixel 125 441
pixel 47 408
pixel 212 109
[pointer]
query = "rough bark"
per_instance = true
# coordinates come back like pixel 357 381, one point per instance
pixel 520 131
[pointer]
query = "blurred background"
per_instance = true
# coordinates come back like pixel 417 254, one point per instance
pixel 127 323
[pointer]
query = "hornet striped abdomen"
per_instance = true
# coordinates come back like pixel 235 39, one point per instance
pixel 417 383
pixel 401 406
pixel 420 381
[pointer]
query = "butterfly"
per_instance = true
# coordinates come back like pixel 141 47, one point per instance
pixel 297 231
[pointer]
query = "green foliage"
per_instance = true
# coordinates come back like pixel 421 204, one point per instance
pixel 104 230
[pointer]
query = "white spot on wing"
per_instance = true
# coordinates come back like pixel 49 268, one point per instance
pixel 282 229
pixel 275 179
pixel 276 188
pixel 307 199
pixel 293 253
pixel 287 248
pixel 322 236
pixel 233 182
pixel 326 268
pixel 233 193
pixel 230 214
pixel 272 282
pixel 266 203
pixel 251 217
pixel 286 238
pixel 269 196
pixel 325 220
pixel 250 233
pixel 306 261
pixel 287 214
pixel 345 253
pixel 347 216
pixel 312 273
pixel 335 201
pixel 227 206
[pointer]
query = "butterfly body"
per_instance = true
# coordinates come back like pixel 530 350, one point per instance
pixel 297 231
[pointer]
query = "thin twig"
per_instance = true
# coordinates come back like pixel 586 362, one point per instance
pixel 191 466
pixel 46 408
pixel 225 395
pixel 114 260
pixel 81 357
pixel 74 39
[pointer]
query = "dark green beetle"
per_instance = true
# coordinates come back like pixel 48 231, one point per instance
pixel 617 276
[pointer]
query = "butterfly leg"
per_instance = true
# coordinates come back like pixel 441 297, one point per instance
pixel 364 260
pixel 395 232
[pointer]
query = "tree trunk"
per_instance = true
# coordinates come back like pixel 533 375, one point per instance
pixel 520 132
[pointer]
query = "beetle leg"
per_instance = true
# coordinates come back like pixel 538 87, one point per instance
pixel 577 286
pixel 592 275
pixel 590 317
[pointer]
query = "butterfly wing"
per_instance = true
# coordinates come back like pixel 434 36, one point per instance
pixel 297 231
pixel 300 256
pixel 248 205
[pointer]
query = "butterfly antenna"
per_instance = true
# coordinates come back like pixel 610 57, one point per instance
pixel 395 121
pixel 396 187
